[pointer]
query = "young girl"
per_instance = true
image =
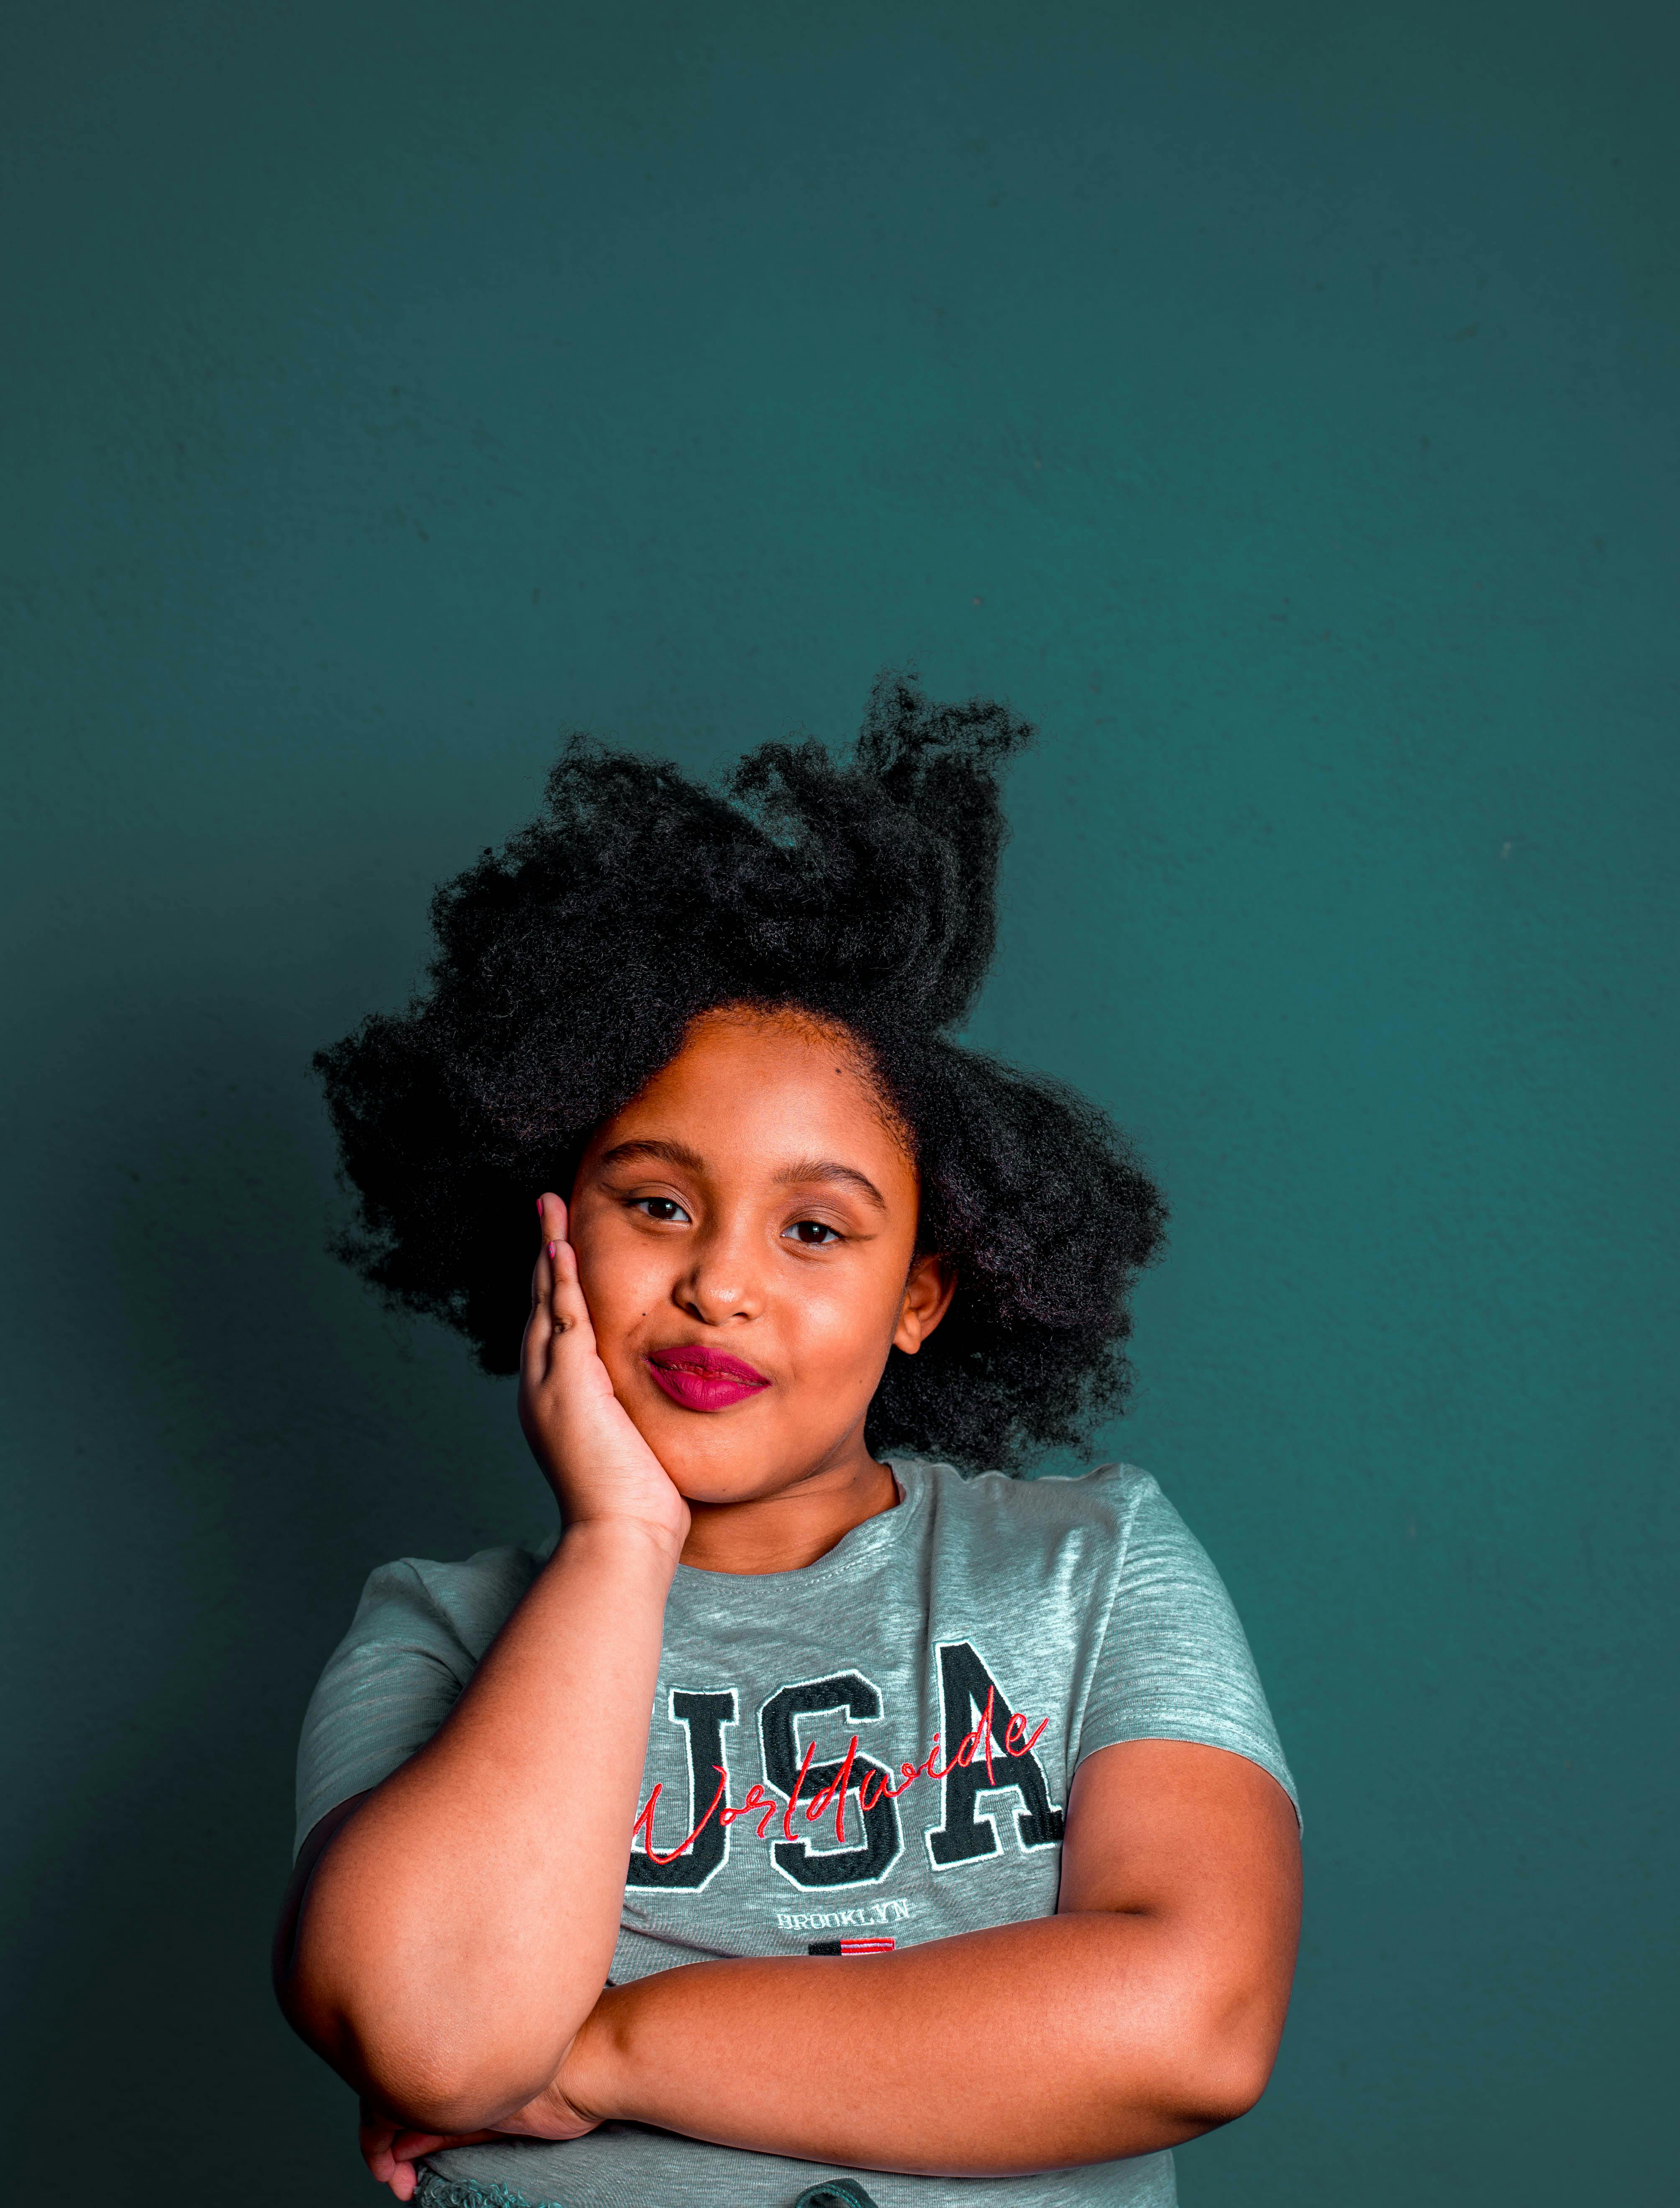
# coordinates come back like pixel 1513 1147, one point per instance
pixel 808 1821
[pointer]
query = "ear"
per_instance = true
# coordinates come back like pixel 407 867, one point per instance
pixel 927 1294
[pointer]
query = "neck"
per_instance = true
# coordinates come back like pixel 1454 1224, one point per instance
pixel 791 1528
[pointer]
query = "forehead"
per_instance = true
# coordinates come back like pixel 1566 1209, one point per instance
pixel 754 1091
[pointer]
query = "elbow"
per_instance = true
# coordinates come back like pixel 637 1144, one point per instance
pixel 435 2068
pixel 452 2100
pixel 444 2079
pixel 432 2025
pixel 1229 2068
pixel 1225 2087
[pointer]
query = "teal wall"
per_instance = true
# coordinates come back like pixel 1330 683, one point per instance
pixel 1276 403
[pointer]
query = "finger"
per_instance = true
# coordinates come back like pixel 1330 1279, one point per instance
pixel 551 1223
pixel 559 1312
pixel 410 2147
pixel 373 2136
pixel 561 1262
pixel 568 1313
pixel 375 2131
pixel 565 1296
pixel 539 1330
pixel 539 1326
pixel 540 1271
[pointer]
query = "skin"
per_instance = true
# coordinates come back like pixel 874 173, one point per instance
pixel 450 1962
pixel 798 1255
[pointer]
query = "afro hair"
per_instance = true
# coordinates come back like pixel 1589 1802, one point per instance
pixel 570 964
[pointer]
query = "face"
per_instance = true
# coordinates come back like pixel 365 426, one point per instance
pixel 746 1236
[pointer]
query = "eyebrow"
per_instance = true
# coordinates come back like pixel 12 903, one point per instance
pixel 829 1169
pixel 803 1169
pixel 670 1153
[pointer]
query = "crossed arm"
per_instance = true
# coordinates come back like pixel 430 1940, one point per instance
pixel 1147 2010
pixel 446 1940
pixel 449 1968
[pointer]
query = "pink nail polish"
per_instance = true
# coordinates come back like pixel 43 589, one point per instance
pixel 554 1251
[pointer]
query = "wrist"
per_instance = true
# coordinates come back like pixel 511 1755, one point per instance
pixel 630 1542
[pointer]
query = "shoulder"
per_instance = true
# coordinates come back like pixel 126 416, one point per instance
pixel 1110 1532
pixel 1107 1500
pixel 416 1637
pixel 465 1604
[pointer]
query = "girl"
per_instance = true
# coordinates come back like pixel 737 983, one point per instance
pixel 804 1801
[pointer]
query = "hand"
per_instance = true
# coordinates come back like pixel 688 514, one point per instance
pixel 591 1453
pixel 390 2150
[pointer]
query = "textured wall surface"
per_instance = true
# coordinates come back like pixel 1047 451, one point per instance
pixel 1276 402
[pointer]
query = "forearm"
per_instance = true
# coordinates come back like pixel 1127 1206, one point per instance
pixel 461 1925
pixel 1070 2040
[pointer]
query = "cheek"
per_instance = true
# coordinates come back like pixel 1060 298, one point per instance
pixel 841 1324
pixel 623 1274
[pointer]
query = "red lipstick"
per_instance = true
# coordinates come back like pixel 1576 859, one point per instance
pixel 703 1379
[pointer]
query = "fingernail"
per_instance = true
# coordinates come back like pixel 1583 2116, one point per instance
pixel 554 1251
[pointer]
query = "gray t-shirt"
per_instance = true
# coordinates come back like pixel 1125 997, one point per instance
pixel 873 1751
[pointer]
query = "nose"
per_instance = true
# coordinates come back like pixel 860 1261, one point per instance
pixel 723 1280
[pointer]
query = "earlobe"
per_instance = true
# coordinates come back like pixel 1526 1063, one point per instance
pixel 928 1295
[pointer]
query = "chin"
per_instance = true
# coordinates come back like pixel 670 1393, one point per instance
pixel 723 1464
pixel 707 1456
pixel 702 1483
pixel 718 1457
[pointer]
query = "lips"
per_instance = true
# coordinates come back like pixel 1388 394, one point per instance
pixel 704 1379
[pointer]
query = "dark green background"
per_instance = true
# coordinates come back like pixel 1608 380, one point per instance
pixel 1276 404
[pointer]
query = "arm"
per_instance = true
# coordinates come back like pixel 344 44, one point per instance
pixel 1149 2009
pixel 453 1933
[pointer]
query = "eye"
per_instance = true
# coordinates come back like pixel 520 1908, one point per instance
pixel 666 1208
pixel 811 1233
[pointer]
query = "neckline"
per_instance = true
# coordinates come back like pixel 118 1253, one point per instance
pixel 864 1544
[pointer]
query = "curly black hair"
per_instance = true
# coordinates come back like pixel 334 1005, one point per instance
pixel 570 965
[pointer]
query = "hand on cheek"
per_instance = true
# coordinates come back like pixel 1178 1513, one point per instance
pixel 595 1460
pixel 745 1229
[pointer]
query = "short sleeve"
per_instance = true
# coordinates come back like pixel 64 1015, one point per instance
pixel 1174 1663
pixel 416 1640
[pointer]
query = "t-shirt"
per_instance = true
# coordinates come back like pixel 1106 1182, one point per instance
pixel 869 1753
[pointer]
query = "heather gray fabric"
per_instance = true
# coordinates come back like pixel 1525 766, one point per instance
pixel 876 1749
